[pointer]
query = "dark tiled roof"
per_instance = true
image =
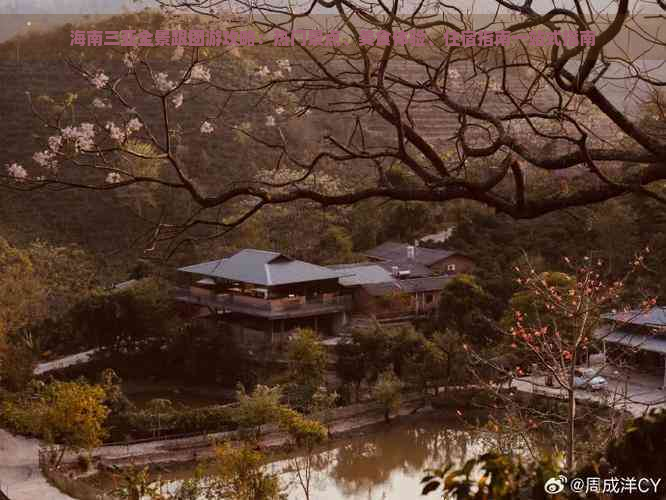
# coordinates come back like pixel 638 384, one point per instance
pixel 408 286
pixel 397 252
pixel 260 267
pixel 363 274
pixel 654 317
pixel 415 269
pixel 640 341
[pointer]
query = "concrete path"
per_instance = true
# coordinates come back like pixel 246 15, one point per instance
pixel 635 398
pixel 20 476
pixel 73 359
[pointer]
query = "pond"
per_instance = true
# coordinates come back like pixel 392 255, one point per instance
pixel 387 463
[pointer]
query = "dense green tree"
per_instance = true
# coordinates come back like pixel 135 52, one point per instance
pixel 69 415
pixel 307 365
pixel 305 435
pixel 238 473
pixel 466 308
pixel 335 246
pixel 387 391
pixel 125 320
pixel 257 409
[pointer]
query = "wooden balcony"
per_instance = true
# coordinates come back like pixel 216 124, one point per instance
pixel 288 307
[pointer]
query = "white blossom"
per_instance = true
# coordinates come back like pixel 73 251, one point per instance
pixel 100 80
pixel 178 53
pixel 278 74
pixel 163 83
pixel 279 110
pixel 177 100
pixel 207 128
pixel 270 121
pixel 200 72
pixel 17 171
pixel 264 72
pixel 113 178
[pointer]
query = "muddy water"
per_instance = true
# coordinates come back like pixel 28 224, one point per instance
pixel 386 464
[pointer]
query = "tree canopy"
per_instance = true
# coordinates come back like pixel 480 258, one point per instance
pixel 527 130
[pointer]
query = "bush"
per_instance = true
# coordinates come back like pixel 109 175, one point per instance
pixel 142 424
pixel 84 462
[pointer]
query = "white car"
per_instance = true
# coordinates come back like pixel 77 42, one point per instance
pixel 586 378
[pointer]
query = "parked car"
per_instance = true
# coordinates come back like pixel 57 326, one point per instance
pixel 584 378
pixel 587 378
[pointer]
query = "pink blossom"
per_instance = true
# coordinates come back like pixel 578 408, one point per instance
pixel 46 158
pixel 130 59
pixel 100 80
pixel 207 128
pixel 284 64
pixel 270 121
pixel 17 171
pixel 82 136
pixel 55 141
pixel 115 132
pixel 454 74
pixel 279 110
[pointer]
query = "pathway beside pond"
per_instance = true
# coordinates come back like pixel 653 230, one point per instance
pixel 340 421
pixel 20 475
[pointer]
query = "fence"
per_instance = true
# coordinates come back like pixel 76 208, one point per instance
pixel 70 486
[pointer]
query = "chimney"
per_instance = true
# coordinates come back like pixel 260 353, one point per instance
pixel 394 271
pixel 410 252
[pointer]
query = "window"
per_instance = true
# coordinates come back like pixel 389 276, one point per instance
pixel 451 268
pixel 429 298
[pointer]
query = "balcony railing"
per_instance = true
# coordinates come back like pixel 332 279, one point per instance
pixel 283 307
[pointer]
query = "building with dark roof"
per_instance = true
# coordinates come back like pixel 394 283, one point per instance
pixel 263 296
pixel 402 298
pixel 387 295
pixel 638 337
pixel 405 257
pixel 262 268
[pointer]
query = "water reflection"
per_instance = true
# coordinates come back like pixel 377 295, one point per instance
pixel 387 465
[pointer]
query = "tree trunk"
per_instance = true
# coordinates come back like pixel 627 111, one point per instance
pixel 60 457
pixel 387 415
pixel 571 431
